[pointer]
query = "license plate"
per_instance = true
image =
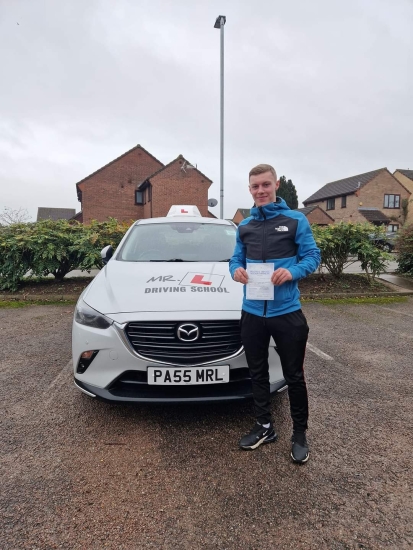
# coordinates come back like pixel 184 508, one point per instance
pixel 174 376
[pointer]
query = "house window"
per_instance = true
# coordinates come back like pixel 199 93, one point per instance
pixel 344 201
pixel 331 204
pixel 138 197
pixel 392 228
pixel 391 201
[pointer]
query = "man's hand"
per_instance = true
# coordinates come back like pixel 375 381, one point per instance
pixel 241 276
pixel 280 276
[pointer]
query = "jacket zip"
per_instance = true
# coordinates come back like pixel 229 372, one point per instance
pixel 264 253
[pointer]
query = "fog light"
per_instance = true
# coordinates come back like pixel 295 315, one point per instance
pixel 85 360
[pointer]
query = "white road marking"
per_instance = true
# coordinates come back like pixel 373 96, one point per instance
pixel 60 380
pixel 319 352
pixel 60 375
pixel 395 311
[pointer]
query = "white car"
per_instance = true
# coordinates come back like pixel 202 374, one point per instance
pixel 160 322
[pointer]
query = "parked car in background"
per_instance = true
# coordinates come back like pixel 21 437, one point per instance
pixel 386 242
pixel 161 320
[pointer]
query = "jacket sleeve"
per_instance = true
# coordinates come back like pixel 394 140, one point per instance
pixel 308 254
pixel 238 258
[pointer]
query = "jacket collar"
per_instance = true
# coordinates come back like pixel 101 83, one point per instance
pixel 269 210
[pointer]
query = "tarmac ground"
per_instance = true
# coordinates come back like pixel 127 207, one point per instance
pixel 81 474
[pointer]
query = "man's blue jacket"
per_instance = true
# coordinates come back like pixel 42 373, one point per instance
pixel 274 233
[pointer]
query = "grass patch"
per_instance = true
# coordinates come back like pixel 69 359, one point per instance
pixel 25 303
pixel 360 300
pixel 46 286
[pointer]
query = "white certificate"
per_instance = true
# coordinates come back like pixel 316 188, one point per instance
pixel 259 286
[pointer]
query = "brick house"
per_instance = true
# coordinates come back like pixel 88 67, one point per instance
pixel 240 215
pixel 375 196
pixel 314 214
pixel 405 177
pixel 137 185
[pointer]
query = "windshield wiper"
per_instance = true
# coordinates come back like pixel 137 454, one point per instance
pixel 180 260
pixel 172 260
pixel 227 260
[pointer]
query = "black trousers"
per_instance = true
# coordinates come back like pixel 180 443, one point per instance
pixel 290 333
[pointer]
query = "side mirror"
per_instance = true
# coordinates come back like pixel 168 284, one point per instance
pixel 106 254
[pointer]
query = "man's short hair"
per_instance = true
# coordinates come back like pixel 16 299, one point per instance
pixel 261 169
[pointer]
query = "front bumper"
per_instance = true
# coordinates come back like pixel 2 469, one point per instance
pixel 144 393
pixel 118 374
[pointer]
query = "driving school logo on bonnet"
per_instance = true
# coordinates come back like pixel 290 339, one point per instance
pixel 281 228
pixel 202 279
pixel 193 281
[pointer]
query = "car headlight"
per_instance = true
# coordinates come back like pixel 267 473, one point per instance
pixel 86 315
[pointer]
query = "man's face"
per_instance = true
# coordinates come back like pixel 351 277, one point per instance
pixel 263 188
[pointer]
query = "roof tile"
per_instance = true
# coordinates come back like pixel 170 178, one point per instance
pixel 342 187
pixel 44 213
pixel 407 173
pixel 373 215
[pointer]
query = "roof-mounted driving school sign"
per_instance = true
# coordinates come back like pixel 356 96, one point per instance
pixel 188 210
pixel 191 282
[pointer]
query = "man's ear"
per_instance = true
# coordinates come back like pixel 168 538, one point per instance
pixel 277 185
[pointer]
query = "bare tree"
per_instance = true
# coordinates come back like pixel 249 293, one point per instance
pixel 10 216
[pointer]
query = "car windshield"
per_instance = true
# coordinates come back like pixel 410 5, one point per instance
pixel 179 242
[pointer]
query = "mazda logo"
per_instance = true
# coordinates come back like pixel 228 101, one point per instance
pixel 188 332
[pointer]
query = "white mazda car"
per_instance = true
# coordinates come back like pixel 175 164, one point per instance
pixel 160 322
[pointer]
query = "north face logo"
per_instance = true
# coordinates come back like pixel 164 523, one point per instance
pixel 281 228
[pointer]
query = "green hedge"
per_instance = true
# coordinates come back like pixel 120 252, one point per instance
pixel 342 244
pixel 57 247
pixel 53 247
pixel 404 247
pixel 16 256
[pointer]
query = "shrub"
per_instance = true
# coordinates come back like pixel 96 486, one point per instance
pixel 342 244
pixel 53 247
pixel 15 254
pixel 96 236
pixel 66 246
pixel 404 247
pixel 41 248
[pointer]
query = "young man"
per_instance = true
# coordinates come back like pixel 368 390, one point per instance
pixel 282 237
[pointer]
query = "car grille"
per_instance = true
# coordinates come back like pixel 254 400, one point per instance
pixel 158 341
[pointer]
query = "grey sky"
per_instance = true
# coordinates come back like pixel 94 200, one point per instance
pixel 322 90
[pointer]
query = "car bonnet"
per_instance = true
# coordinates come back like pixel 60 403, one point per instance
pixel 173 289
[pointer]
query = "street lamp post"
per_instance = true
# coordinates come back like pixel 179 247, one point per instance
pixel 219 24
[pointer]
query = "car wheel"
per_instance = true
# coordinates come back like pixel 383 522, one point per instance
pixel 387 248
